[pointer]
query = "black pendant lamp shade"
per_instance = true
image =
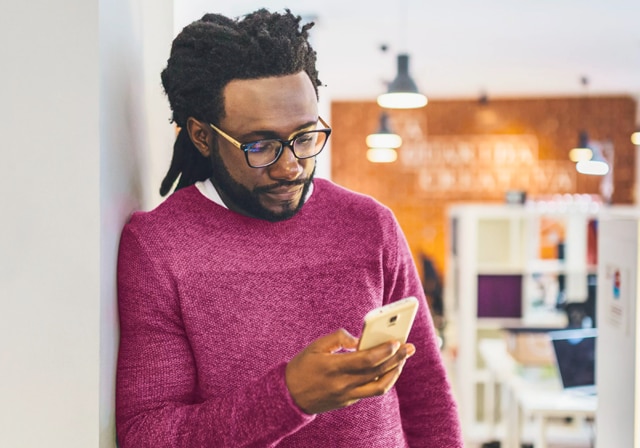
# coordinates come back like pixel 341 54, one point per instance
pixel 402 92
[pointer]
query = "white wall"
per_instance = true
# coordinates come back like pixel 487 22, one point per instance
pixel 135 40
pixel 462 48
pixel 81 112
pixel 50 226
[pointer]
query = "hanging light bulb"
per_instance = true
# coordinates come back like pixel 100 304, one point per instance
pixel 382 145
pixel 402 92
pixel 582 152
pixel 635 138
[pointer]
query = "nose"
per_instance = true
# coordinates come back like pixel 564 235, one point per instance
pixel 287 167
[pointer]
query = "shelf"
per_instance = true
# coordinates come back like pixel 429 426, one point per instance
pixel 498 323
pixel 498 269
pixel 558 266
pixel 545 319
pixel 535 267
pixel 510 266
pixel 546 266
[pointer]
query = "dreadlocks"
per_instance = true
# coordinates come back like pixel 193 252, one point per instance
pixel 211 52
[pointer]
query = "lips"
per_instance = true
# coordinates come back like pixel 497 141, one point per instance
pixel 284 194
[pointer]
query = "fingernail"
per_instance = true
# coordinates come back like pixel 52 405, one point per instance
pixel 396 346
pixel 411 350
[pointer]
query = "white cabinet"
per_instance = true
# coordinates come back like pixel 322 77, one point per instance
pixel 508 266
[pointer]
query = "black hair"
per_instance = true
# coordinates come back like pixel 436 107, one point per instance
pixel 211 52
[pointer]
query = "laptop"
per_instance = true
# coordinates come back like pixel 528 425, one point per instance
pixel 575 356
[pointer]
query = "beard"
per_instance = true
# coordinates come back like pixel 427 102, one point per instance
pixel 237 196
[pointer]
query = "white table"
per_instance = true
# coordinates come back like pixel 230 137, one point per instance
pixel 530 399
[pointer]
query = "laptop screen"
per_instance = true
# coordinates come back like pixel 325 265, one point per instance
pixel 575 353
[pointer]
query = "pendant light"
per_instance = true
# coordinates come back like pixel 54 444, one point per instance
pixel 582 152
pixel 402 92
pixel 596 166
pixel 635 137
pixel 383 143
pixel 382 155
pixel 384 137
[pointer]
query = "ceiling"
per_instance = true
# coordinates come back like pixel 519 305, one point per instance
pixel 464 48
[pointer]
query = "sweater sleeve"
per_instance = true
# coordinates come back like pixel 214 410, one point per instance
pixel 429 412
pixel 157 395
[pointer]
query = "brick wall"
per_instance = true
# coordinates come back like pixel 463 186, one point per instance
pixel 462 150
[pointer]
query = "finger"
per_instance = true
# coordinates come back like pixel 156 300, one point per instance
pixel 339 339
pixel 361 375
pixel 378 386
pixel 364 361
pixel 398 359
pixel 411 350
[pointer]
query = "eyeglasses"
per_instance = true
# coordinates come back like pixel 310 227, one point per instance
pixel 261 153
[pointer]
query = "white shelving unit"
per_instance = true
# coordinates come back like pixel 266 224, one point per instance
pixel 504 241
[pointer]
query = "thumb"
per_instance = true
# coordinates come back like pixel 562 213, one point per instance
pixel 338 340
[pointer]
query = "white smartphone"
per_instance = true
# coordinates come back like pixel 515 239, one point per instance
pixel 389 322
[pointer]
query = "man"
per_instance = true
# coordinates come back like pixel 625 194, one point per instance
pixel 238 296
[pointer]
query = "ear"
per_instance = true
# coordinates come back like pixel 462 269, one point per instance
pixel 201 135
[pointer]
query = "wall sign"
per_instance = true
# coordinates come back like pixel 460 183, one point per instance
pixel 616 291
pixel 481 164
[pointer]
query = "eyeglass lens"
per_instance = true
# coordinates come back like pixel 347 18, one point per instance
pixel 265 152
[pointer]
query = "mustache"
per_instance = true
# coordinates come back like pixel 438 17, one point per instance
pixel 284 183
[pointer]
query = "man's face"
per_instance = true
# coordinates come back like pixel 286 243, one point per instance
pixel 276 107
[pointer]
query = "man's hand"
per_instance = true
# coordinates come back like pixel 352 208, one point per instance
pixel 320 380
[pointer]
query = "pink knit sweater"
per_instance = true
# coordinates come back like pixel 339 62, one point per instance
pixel 213 304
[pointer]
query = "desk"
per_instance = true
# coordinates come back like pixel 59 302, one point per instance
pixel 538 400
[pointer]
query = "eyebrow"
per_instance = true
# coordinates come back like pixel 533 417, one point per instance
pixel 270 134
